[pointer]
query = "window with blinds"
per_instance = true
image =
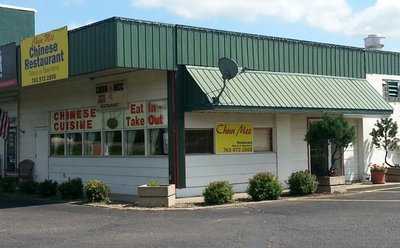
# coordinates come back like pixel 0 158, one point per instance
pixel 391 90
pixel 262 140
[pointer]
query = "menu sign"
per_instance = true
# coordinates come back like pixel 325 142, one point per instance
pixel 75 120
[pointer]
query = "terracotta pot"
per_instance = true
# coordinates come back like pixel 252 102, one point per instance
pixel 378 177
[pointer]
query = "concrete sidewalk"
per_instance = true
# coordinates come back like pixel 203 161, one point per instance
pixel 351 188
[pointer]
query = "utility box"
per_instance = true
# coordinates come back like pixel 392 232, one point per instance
pixel 16 23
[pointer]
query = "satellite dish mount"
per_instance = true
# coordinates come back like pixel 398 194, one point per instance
pixel 229 70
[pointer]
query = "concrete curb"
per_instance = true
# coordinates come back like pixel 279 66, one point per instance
pixel 246 204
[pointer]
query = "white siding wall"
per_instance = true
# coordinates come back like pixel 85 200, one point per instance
pixel 123 175
pixel 38 101
pixel 290 151
pixel 351 155
pixel 370 153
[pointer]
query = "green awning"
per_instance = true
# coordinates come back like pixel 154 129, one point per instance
pixel 272 91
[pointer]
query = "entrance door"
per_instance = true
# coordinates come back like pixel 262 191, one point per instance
pixel 319 159
pixel 41 154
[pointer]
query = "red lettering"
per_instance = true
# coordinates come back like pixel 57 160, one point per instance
pixel 93 113
pixel 89 124
pixel 85 113
pixel 79 114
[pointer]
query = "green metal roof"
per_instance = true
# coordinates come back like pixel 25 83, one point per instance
pixel 261 90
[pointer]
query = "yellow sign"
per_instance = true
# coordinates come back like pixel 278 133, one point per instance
pixel 44 57
pixel 233 138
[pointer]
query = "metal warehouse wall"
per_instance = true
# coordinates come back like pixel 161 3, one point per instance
pixel 125 43
pixel 16 24
pixel 203 47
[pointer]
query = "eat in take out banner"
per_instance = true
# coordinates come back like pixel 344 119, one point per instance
pixel 44 57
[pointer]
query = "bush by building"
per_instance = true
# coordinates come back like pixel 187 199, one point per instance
pixel 97 191
pixel 218 192
pixel 71 189
pixel 47 188
pixel 8 184
pixel 264 186
pixel 302 183
pixel 28 187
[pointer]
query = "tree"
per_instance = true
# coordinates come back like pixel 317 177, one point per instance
pixel 384 136
pixel 334 131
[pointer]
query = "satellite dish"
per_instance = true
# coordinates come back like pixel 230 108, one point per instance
pixel 228 68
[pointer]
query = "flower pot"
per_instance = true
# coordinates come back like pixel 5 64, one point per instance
pixel 331 184
pixel 378 177
pixel 393 174
pixel 156 196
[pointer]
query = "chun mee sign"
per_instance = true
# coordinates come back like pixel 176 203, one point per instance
pixel 233 138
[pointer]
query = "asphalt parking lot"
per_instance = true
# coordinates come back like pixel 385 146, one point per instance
pixel 370 219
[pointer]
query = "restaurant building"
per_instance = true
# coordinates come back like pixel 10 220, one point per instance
pixel 128 101
pixel 15 24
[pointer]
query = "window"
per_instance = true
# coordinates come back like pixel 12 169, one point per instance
pixel 199 141
pixel 57 145
pixel 391 90
pixel 92 144
pixel 262 140
pixel 158 141
pixel 113 143
pixel 135 142
pixel 74 144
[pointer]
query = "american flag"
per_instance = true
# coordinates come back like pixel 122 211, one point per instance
pixel 4 124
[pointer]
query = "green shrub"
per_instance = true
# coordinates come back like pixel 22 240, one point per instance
pixel 8 184
pixel 28 187
pixel 219 192
pixel 153 183
pixel 264 186
pixel 71 189
pixel 47 188
pixel 97 191
pixel 302 183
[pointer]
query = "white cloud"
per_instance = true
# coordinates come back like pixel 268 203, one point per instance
pixel 337 16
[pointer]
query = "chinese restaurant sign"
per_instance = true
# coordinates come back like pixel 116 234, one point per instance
pixel 84 119
pixel 8 66
pixel 233 138
pixel 44 57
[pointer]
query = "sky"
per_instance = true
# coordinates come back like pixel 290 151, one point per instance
pixel 344 22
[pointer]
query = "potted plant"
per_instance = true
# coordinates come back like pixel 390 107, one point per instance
pixel 384 136
pixel 153 194
pixel 337 134
pixel 378 174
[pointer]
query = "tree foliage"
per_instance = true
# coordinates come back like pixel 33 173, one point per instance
pixel 384 136
pixel 334 131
